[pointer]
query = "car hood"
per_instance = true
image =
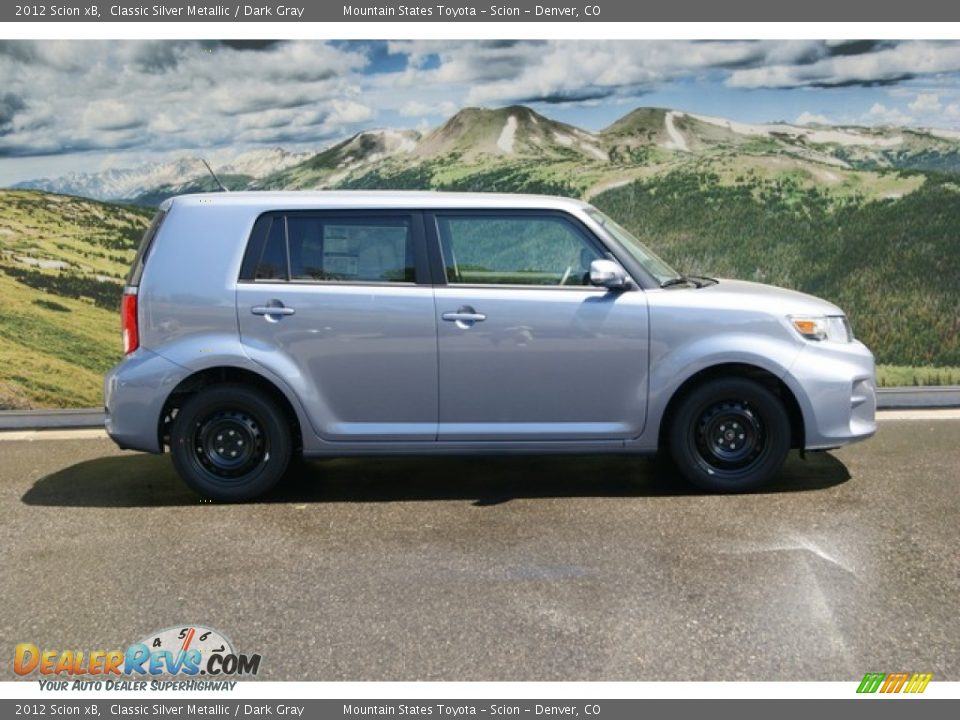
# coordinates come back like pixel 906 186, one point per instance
pixel 777 300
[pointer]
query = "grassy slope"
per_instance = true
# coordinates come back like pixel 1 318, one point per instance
pixel 579 176
pixel 893 264
pixel 59 327
pixel 907 376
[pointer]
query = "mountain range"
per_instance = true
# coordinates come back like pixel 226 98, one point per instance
pixel 169 177
pixel 542 154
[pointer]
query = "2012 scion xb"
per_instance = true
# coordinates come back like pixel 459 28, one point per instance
pixel 259 327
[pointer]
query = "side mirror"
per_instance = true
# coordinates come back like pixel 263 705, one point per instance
pixel 608 274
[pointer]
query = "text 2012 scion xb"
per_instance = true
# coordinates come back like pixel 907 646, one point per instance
pixel 259 327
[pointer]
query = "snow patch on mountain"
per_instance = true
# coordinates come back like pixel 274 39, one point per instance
pixel 810 134
pixel 595 151
pixel 677 141
pixel 945 134
pixel 505 141
pixel 257 163
pixel 399 142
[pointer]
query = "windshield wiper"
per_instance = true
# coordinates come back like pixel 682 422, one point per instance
pixel 679 280
pixel 704 280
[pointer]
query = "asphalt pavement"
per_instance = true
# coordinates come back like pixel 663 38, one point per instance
pixel 585 568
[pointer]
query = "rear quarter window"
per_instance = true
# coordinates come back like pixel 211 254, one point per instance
pixel 143 251
pixel 273 260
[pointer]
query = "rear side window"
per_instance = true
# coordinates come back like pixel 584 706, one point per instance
pixel 143 251
pixel 303 247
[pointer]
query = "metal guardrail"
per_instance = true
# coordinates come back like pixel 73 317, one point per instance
pixel 50 419
pixel 945 396
pixel 899 398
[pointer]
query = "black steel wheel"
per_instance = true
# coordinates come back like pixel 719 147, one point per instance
pixel 230 442
pixel 729 435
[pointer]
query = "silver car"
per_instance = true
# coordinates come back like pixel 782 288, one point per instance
pixel 262 327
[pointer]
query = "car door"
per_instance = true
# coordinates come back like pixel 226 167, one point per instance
pixel 528 349
pixel 340 305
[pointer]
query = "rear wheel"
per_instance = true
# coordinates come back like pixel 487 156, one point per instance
pixel 729 435
pixel 230 442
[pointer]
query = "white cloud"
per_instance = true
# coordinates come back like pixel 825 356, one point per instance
pixel 348 111
pixel 497 72
pixel 418 109
pixel 880 114
pixel 886 65
pixel 809 118
pixel 110 114
pixel 174 95
pixel 926 102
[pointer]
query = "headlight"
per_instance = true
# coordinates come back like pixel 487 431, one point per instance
pixel 833 328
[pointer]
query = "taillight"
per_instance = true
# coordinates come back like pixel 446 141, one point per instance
pixel 128 321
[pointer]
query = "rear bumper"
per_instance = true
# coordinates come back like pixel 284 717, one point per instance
pixel 134 393
pixel 836 388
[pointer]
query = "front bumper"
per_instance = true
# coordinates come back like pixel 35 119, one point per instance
pixel 835 385
pixel 134 394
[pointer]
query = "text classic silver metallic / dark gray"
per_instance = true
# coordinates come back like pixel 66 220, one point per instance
pixel 261 326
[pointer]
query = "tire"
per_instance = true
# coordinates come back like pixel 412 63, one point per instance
pixel 230 442
pixel 729 435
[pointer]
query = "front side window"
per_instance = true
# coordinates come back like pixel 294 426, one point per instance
pixel 304 247
pixel 492 249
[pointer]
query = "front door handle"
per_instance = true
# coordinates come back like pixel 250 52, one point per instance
pixel 464 317
pixel 269 310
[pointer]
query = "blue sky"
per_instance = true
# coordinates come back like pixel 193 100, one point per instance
pixel 87 106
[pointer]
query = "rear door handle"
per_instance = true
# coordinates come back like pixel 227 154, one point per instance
pixel 272 310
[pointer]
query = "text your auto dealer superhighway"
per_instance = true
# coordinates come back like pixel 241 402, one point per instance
pixel 223 11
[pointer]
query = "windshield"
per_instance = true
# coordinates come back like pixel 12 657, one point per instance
pixel 640 252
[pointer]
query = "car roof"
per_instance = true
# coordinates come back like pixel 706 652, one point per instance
pixel 378 199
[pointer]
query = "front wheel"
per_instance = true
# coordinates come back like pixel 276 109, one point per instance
pixel 230 442
pixel 729 435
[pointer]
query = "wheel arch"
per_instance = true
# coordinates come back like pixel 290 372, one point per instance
pixel 220 374
pixel 737 370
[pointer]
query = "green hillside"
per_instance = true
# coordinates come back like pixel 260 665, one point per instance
pixel 893 264
pixel 62 264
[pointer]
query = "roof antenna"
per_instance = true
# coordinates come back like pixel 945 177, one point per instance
pixel 213 175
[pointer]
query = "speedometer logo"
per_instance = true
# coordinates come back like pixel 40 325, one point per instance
pixel 195 637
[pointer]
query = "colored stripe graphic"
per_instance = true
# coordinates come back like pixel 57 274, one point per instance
pixel 918 683
pixel 894 682
pixel 871 682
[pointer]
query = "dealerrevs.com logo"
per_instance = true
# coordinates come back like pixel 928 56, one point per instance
pixel 178 651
